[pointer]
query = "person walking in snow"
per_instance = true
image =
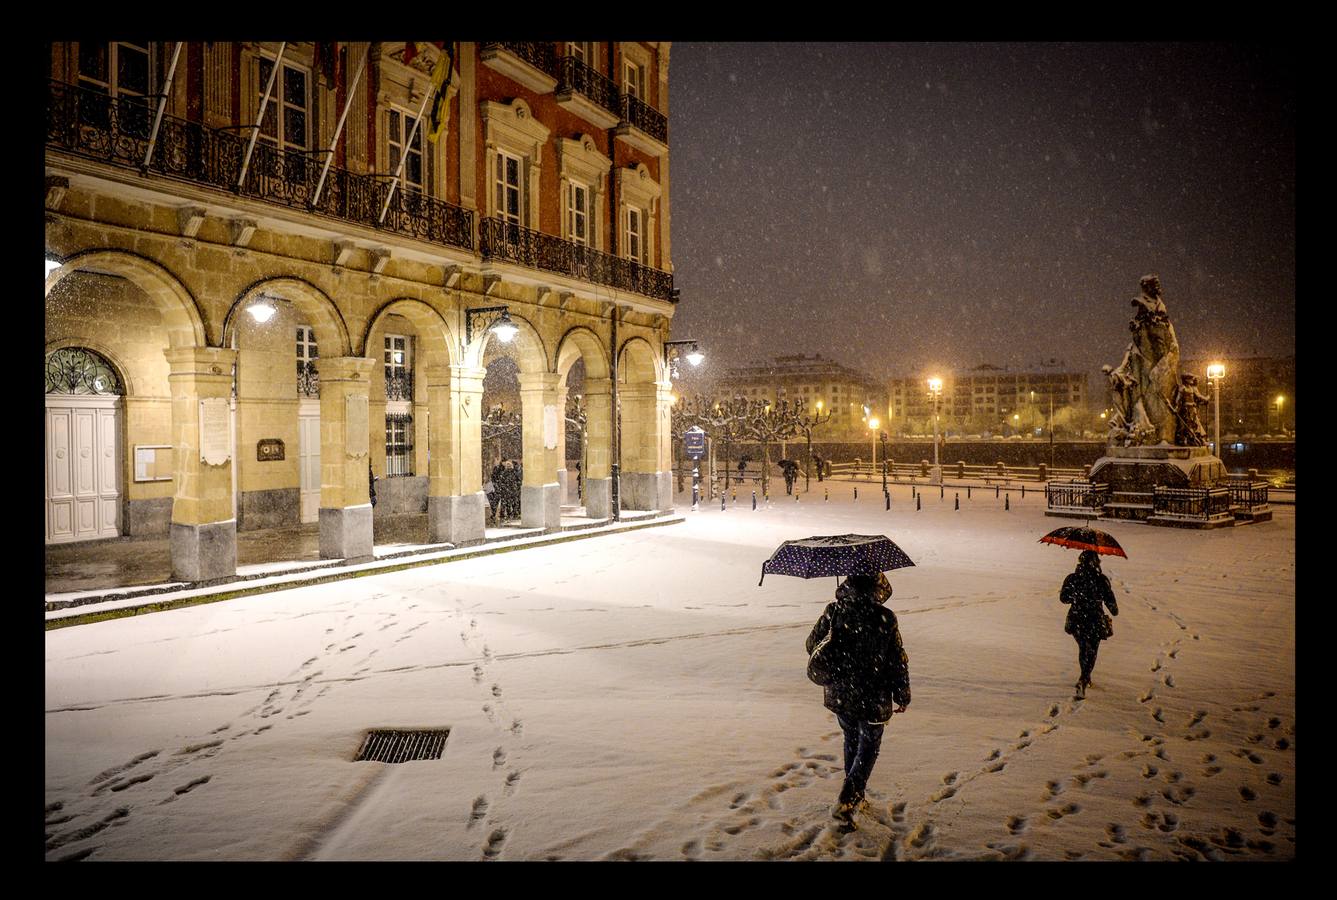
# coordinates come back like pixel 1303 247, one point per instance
pixel 870 676
pixel 1084 592
pixel 817 458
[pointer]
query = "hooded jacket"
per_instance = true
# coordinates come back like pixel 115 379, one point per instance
pixel 874 673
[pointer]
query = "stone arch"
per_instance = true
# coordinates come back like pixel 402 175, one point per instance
pixel 527 348
pixel 180 313
pixel 309 300
pixel 637 362
pixel 580 342
pixel 440 339
pixel 112 358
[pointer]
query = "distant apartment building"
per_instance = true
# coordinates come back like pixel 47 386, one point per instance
pixel 1257 394
pixel 986 398
pixel 816 384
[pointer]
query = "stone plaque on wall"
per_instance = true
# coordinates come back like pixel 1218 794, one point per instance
pixel 550 427
pixel 355 413
pixel 215 431
pixel 269 450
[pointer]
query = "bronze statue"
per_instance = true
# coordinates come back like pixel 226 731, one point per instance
pixel 1145 383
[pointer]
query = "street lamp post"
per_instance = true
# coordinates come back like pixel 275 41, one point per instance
pixel 935 392
pixel 1215 373
pixel 872 427
pixel 884 462
pixel 1280 400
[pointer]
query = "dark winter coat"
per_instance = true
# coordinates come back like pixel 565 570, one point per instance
pixel 1085 590
pixel 874 670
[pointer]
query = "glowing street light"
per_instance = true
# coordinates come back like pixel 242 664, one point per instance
pixel 1280 400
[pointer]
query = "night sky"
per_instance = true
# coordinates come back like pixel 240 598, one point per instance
pixel 902 207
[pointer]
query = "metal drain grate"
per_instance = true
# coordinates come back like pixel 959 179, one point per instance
pixel 392 745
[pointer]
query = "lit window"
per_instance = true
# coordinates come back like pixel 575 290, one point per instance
pixel 397 133
pixel 286 121
pixel 507 182
pixel 578 211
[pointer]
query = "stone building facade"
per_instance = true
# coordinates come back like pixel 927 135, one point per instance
pixel 1257 394
pixel 236 331
pixel 986 397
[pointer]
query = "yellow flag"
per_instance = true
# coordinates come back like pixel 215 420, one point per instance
pixel 444 79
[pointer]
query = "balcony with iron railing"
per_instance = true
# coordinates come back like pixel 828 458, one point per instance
pixel 116 131
pixel 507 242
pixel 531 63
pixel 643 126
pixel 588 93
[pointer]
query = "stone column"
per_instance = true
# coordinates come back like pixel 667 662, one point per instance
pixel 563 481
pixel 643 448
pixel 204 532
pixel 345 429
pixel 540 494
pixel 456 504
pixel 664 473
pixel 599 432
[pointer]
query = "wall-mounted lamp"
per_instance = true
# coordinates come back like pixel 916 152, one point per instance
pixel 497 319
pixel 674 350
pixel 262 310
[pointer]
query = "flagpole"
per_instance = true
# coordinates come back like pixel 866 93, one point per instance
pixel 255 133
pixel 404 154
pixel 338 129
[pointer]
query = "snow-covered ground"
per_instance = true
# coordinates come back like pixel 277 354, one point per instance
pixel 638 696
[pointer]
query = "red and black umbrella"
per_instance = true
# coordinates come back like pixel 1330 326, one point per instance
pixel 1080 537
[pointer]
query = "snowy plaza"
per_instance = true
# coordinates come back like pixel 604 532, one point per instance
pixel 638 696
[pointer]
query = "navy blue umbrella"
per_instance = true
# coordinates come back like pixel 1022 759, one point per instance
pixel 835 554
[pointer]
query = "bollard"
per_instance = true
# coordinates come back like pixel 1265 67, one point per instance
pixel 1023 490
pixel 734 498
pixel 1006 503
pixel 856 492
pixel 958 501
pixel 796 498
pixel 888 496
pixel 942 492
pixel 917 503
pixel 826 495
pixel 754 500
pixel 967 492
pixel 721 503
pixel 995 492
pixel 914 492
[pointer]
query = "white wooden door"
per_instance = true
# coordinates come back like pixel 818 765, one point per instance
pixel 308 451
pixel 83 497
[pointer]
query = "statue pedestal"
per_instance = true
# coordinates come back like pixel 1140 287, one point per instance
pixel 1142 469
pixel 1134 473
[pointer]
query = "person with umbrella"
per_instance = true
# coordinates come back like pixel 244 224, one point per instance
pixel 870 675
pixel 855 650
pixel 1084 592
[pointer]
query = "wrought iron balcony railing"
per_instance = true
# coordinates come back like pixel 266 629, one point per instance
pixel 399 385
pixel 539 54
pixel 498 239
pixel 116 131
pixel 642 115
pixel 308 379
pixel 579 77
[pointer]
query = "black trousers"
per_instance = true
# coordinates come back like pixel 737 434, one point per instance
pixel 1086 657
